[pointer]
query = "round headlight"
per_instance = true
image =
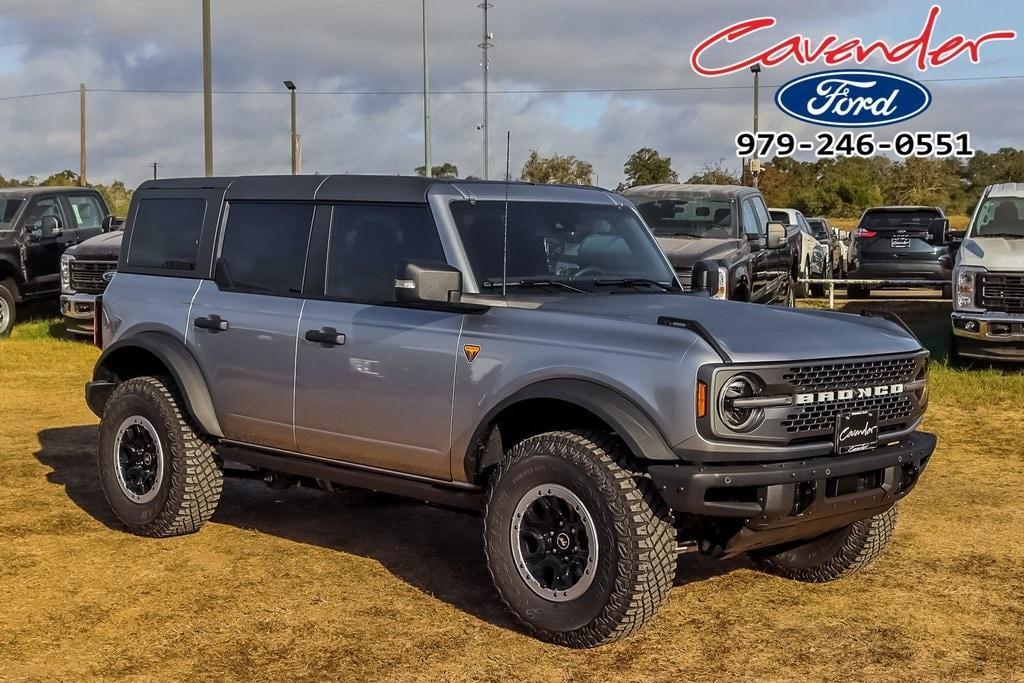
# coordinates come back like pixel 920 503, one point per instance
pixel 738 418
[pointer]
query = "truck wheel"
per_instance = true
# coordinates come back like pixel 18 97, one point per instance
pixel 580 547
pixel 160 476
pixel 833 556
pixel 7 306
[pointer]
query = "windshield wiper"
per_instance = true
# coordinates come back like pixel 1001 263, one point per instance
pixel 489 284
pixel 633 282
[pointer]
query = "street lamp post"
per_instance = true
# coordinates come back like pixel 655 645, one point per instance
pixel 295 136
pixel 755 164
pixel 426 99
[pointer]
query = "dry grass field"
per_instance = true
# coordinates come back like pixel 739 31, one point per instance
pixel 956 222
pixel 301 584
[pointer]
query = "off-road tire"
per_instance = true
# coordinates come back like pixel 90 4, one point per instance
pixel 835 555
pixel 8 292
pixel 636 560
pixel 193 478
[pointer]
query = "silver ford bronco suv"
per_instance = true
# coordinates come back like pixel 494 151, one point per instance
pixel 521 350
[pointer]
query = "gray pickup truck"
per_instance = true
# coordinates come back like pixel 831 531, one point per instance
pixel 988 301
pixel 523 351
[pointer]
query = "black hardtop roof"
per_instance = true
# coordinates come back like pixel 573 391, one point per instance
pixel 683 190
pixel 368 188
pixel 903 208
pixel 29 191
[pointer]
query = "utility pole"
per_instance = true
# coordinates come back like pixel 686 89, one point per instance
pixel 485 66
pixel 207 91
pixel 755 164
pixel 154 165
pixel 81 135
pixel 426 99
pixel 295 136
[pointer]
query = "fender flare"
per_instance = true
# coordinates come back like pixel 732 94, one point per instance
pixel 179 362
pixel 628 420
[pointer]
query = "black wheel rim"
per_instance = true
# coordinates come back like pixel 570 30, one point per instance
pixel 554 543
pixel 138 459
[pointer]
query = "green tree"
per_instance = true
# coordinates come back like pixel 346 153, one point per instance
pixel 714 174
pixel 565 170
pixel 61 179
pixel 445 170
pixel 646 167
pixel 116 196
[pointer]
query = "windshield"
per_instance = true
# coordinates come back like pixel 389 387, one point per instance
pixel 818 228
pixel 8 209
pixel 999 217
pixel 875 220
pixel 689 217
pixel 579 243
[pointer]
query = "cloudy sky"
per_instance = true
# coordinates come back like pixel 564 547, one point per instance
pixel 364 46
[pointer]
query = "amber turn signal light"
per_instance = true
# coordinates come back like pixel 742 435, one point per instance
pixel 702 399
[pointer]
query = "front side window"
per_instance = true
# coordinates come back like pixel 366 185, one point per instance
pixel 582 243
pixel 44 207
pixel 1000 217
pixel 750 223
pixel 166 234
pixel 264 248
pixel 689 217
pixel 87 210
pixel 369 242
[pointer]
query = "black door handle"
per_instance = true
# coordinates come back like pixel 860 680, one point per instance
pixel 328 336
pixel 213 322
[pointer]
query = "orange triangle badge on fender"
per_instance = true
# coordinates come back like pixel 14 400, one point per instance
pixel 471 351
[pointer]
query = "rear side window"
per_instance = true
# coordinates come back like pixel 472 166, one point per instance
pixel 368 242
pixel 264 248
pixel 166 234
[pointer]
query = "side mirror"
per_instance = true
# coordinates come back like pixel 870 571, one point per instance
pixel 109 224
pixel 428 283
pixel 705 277
pixel 938 231
pixel 50 227
pixel 956 240
pixel 776 235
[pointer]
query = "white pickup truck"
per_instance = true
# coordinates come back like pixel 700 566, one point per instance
pixel 988 301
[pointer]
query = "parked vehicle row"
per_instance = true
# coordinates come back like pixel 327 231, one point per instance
pixel 37 225
pixel 549 370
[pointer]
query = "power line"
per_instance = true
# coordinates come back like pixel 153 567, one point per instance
pixel 511 91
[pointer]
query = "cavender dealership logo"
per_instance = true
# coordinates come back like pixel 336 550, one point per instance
pixel 855 98
pixel 848 394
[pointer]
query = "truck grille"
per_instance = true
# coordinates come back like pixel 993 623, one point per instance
pixel 829 376
pixel 685 277
pixel 87 276
pixel 1001 292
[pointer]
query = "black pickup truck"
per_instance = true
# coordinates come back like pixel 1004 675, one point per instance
pixel 37 224
pixel 725 232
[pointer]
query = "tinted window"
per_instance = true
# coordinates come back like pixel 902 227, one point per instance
pixel 43 207
pixel 87 210
pixel 369 241
pixel 762 213
pixel 818 228
pixel 8 208
pixel 166 234
pixel 899 219
pixel 781 217
pixel 688 216
pixel 564 241
pixel 264 247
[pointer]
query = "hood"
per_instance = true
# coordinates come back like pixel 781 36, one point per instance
pixel 106 247
pixel 682 252
pixel 753 333
pixel 992 253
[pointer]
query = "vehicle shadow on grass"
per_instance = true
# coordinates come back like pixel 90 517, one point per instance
pixel 437 550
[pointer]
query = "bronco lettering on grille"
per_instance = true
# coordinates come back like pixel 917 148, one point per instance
pixel 848 394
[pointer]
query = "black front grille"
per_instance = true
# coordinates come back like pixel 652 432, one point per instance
pixel 1001 292
pixel 87 276
pixel 827 376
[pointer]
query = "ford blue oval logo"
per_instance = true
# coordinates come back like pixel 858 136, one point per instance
pixel 108 276
pixel 853 98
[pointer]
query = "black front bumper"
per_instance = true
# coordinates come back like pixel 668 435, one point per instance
pixel 782 501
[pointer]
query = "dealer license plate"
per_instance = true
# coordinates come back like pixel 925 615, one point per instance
pixel 856 431
pixel 900 242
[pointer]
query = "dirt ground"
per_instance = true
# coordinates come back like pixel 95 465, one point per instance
pixel 302 584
